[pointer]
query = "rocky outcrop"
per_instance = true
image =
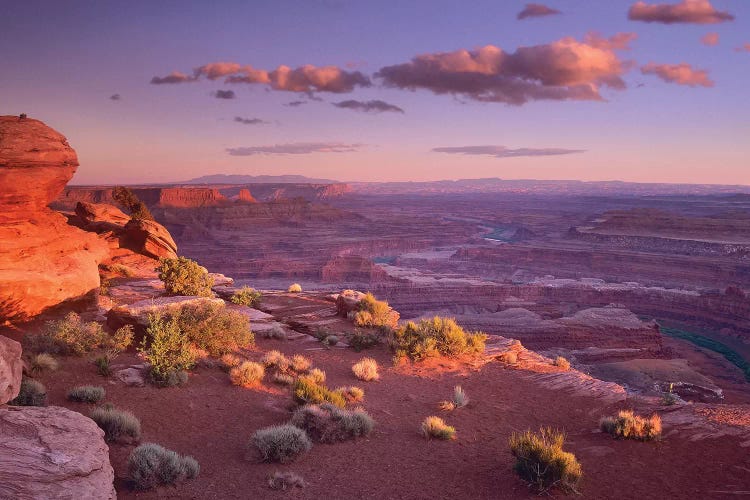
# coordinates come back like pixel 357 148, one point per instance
pixel 172 197
pixel 43 260
pixel 348 301
pixel 138 313
pixel 149 238
pixel 52 452
pixel 245 196
pixel 11 368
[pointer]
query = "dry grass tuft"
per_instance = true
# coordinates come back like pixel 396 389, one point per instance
pixel 627 425
pixel 561 362
pixel 435 427
pixel 247 374
pixel 366 369
pixel 285 480
pixel 542 462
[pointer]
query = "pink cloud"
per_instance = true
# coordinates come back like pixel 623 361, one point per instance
pixel 306 78
pixel 619 41
pixel 710 39
pixel 295 148
pixel 563 70
pixel 686 11
pixel 506 152
pixel 681 74
pixel 536 10
pixel 744 48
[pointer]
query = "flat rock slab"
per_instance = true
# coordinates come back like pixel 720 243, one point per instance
pixel 53 452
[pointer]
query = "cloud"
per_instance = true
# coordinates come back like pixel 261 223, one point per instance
pixel 681 74
pixel 686 11
pixel 294 104
pixel 224 94
pixel 250 121
pixel 115 97
pixel 619 41
pixel 295 148
pixel 536 10
pixel 710 39
pixel 376 106
pixel 505 152
pixel 173 77
pixel 743 48
pixel 563 70
pixel 306 79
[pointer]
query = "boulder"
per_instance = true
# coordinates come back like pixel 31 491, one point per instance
pixel 11 367
pixel 52 452
pixel 101 216
pixel 348 301
pixel 149 238
pixel 43 260
pixel 138 313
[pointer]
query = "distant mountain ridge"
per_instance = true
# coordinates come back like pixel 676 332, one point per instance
pixel 257 179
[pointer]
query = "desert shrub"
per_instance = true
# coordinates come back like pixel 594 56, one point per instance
pixel 182 276
pixel 331 340
pixel 327 423
pixel 285 480
pixel 627 425
pixel 86 394
pixel 247 374
pixel 360 340
pixel 435 337
pixel 151 465
pixel 69 335
pixel 509 357
pixel 281 443
pixel 294 288
pixel 117 342
pixel 167 350
pixel 460 399
pixel 275 332
pixel 116 424
pixel 275 360
pixel 31 393
pixel 561 362
pixel 130 202
pixel 246 296
pixel 230 360
pixel 102 366
pixel 43 362
pixel 352 394
pixel 318 376
pixel 366 369
pixel 282 379
pixel 305 390
pixel 541 460
pixel 214 328
pixel 300 364
pixel 375 313
pixel 435 427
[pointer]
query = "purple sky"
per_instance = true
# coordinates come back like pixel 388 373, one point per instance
pixel 418 90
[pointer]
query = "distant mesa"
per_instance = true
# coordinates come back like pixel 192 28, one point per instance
pixel 257 179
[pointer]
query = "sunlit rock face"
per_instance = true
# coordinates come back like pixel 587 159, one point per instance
pixel 43 260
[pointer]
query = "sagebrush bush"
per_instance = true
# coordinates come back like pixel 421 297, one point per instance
pixel 281 443
pixel 435 337
pixel 460 399
pixel 116 424
pixel 247 374
pixel 627 425
pixel 352 394
pixel 69 335
pixel 360 340
pixel 305 390
pixel 43 362
pixel 246 296
pixel 435 427
pixel 542 462
pixel 366 369
pixel 294 288
pixel 285 480
pixel 214 328
pixel 561 362
pixel 151 465
pixel 167 350
pixel 327 423
pixel 374 313
pixel 31 393
pixel 182 276
pixel 86 394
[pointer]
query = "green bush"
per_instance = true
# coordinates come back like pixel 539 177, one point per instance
pixel 247 374
pixel 306 391
pixel 542 462
pixel 246 296
pixel 167 350
pixel 375 313
pixel 436 337
pixel 281 443
pixel 214 328
pixel 86 394
pixel 130 202
pixel 32 393
pixel 327 423
pixel 182 276
pixel 151 465
pixel 627 425
pixel 285 480
pixel 116 424
pixel 435 427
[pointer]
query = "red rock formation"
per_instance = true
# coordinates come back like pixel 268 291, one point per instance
pixel 245 196
pixel 190 197
pixel 11 368
pixel 43 260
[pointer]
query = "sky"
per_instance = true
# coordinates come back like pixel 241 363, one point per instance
pixel 653 91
